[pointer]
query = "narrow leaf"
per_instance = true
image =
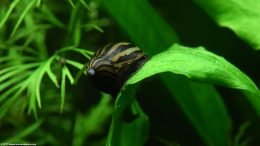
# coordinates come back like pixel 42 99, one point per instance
pixel 85 4
pixel 10 101
pixel 71 3
pixel 83 52
pixel 53 78
pixel 63 86
pixel 51 75
pixel 74 63
pixel 68 74
pixel 79 74
pixel 48 15
pixel 32 100
pixel 14 80
pixel 8 13
pixel 27 131
pixel 11 91
pixel 26 10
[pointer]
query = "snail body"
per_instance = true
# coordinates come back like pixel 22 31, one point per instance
pixel 112 65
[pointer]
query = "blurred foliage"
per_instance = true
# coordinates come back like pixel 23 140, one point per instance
pixel 44 44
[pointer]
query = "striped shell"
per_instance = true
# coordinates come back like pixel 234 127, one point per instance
pixel 113 64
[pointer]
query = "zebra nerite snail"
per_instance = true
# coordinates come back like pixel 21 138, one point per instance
pixel 112 65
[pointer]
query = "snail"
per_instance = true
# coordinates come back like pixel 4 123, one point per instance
pixel 111 66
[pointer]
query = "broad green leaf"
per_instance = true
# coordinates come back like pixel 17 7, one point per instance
pixel 149 31
pixel 241 16
pixel 199 65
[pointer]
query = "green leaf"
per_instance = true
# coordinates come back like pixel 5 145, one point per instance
pixel 38 4
pixel 79 73
pixel 63 88
pixel 133 133
pixel 48 15
pixel 74 23
pixel 32 100
pixel 12 70
pixel 85 4
pixel 27 33
pixel 23 14
pixel 68 74
pixel 240 138
pixel 38 37
pixel 38 75
pixel 90 26
pixel 151 33
pixel 17 90
pixel 243 17
pixel 53 77
pixel 4 107
pixel 8 13
pixel 10 91
pixel 25 132
pixel 83 52
pixel 34 83
pixel 199 65
pixel 74 63
pixel 15 80
pixel 71 3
